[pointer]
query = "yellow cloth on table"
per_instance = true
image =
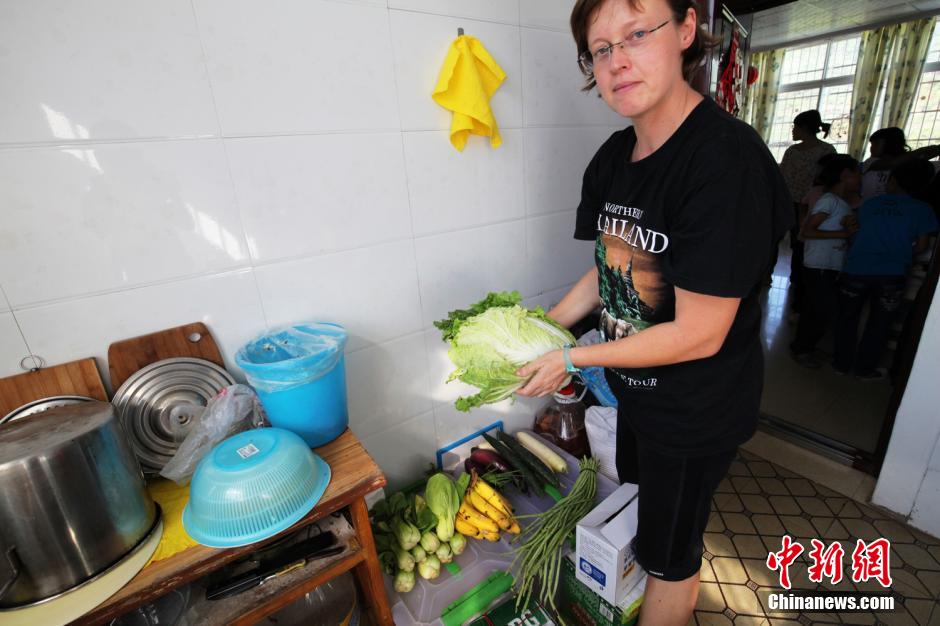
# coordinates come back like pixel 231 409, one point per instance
pixel 172 499
pixel 469 77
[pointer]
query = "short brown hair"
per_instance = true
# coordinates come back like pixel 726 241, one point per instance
pixel 691 57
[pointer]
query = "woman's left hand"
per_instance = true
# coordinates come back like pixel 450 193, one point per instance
pixel 547 374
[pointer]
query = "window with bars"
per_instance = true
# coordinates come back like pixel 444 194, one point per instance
pixel 923 126
pixel 817 76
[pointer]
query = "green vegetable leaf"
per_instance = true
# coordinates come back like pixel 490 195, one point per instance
pixel 383 542
pixel 443 500
pixel 463 481
pixel 425 519
pixel 388 561
pixel 380 511
pixel 397 503
pixel 454 319
pixel 406 534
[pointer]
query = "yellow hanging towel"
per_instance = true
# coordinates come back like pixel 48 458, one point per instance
pixel 469 77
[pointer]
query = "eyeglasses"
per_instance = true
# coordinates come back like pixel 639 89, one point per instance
pixel 587 60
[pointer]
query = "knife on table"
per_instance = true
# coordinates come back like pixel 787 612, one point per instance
pixel 292 557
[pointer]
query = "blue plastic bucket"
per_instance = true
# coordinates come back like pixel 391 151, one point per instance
pixel 300 376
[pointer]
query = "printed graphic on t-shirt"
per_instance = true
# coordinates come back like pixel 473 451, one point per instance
pixel 632 289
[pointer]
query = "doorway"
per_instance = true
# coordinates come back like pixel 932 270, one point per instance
pixel 836 415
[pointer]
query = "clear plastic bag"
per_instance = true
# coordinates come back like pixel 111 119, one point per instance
pixel 289 356
pixel 232 410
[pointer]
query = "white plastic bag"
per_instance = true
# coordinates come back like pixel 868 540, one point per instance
pixel 232 410
pixel 601 425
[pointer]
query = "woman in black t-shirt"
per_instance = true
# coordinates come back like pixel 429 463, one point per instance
pixel 685 208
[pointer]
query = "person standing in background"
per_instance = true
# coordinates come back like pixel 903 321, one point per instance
pixel 800 165
pixel 685 209
pixel 817 190
pixel 887 145
pixel 888 149
pixel 825 237
pixel 890 229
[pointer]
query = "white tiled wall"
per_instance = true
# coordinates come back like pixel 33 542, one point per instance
pixel 910 477
pixel 248 164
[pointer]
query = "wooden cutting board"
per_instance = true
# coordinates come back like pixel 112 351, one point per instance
pixel 78 378
pixel 192 340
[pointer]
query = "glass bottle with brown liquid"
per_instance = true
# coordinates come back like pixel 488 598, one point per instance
pixel 561 421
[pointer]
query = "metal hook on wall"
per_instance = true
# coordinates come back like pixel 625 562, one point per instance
pixel 37 363
pixel 459 32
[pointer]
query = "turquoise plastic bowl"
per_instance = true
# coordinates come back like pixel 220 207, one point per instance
pixel 252 486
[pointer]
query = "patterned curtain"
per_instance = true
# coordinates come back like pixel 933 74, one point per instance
pixel 761 97
pixel 873 58
pixel 907 62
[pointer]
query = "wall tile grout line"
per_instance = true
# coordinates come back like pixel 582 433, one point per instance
pixel 455 16
pixel 228 165
pixel 38 304
pixel 19 329
pixel 91 142
pixel 411 217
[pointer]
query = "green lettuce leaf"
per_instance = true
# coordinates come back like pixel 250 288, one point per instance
pixel 454 319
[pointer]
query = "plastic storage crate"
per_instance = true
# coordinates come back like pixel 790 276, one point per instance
pixel 426 603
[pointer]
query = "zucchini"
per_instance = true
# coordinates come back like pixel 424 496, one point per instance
pixel 544 471
pixel 531 479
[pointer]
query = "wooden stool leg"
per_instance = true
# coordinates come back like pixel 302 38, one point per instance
pixel 369 572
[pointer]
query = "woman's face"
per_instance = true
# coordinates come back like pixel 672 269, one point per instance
pixel 877 148
pixel 800 133
pixel 638 76
pixel 852 180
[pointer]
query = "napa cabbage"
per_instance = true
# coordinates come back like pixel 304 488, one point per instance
pixel 494 338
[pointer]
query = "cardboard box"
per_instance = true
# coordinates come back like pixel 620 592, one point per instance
pixel 604 557
pixel 580 606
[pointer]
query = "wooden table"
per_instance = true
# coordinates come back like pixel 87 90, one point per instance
pixel 354 474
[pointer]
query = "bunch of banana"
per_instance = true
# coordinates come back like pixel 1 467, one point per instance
pixel 484 512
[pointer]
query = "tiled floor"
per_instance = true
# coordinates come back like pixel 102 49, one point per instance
pixel 760 501
pixel 837 476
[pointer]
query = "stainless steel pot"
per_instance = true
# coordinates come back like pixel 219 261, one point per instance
pixel 72 500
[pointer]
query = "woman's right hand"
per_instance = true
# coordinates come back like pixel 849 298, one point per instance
pixel 546 375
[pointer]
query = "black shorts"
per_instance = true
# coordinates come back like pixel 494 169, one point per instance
pixel 674 503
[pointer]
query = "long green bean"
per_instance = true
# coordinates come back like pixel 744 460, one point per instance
pixel 542 542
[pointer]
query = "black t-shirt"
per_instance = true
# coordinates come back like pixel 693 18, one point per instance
pixel 704 213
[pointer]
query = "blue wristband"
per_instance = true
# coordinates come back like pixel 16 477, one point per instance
pixel 569 366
